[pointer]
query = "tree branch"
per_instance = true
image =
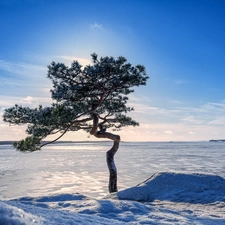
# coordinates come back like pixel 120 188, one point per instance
pixel 55 139
pixel 76 121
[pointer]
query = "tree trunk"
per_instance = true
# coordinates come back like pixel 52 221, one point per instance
pixel 110 154
pixel 112 167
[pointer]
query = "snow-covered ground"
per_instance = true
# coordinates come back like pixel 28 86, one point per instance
pixel 165 198
pixel 190 195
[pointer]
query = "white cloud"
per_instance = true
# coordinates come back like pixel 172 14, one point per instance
pixel 29 100
pixel 179 82
pixel 176 81
pixel 192 133
pixel 7 101
pixel 96 26
pixel 168 132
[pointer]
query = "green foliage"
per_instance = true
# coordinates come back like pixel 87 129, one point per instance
pixel 101 88
pixel 30 144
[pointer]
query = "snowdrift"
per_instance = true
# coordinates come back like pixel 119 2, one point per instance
pixel 191 188
pixel 164 198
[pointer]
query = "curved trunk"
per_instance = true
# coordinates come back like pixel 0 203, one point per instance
pixel 110 159
pixel 112 167
pixel 110 154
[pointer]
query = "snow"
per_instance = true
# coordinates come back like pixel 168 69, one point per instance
pixel 164 198
pixel 192 188
pixel 178 183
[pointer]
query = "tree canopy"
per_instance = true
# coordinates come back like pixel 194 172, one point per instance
pixel 91 98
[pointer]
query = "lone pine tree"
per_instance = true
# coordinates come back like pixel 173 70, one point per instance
pixel 93 98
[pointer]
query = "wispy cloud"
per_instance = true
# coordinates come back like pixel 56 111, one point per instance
pixel 192 119
pixel 176 81
pixel 22 79
pixel 17 132
pixel 8 101
pixel 168 132
pixel 21 68
pixel 96 26
pixel 192 133
pixel 10 82
pixel 220 121
pixel 179 112
pixel 184 121
pixel 179 82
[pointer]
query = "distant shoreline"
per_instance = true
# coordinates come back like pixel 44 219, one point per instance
pixel 77 142
pixel 219 140
pixel 6 142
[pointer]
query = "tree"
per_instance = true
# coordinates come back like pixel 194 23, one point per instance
pixel 93 98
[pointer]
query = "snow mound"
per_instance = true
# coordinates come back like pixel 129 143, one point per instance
pixel 15 216
pixel 54 198
pixel 190 188
pixel 30 211
pixel 176 196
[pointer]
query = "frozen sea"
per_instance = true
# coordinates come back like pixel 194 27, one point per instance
pixel 67 184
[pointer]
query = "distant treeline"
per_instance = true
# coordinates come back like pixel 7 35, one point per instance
pixel 6 142
pixel 219 140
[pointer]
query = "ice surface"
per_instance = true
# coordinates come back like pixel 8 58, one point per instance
pixel 81 167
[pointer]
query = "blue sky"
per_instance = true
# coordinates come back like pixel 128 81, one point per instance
pixel 180 42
